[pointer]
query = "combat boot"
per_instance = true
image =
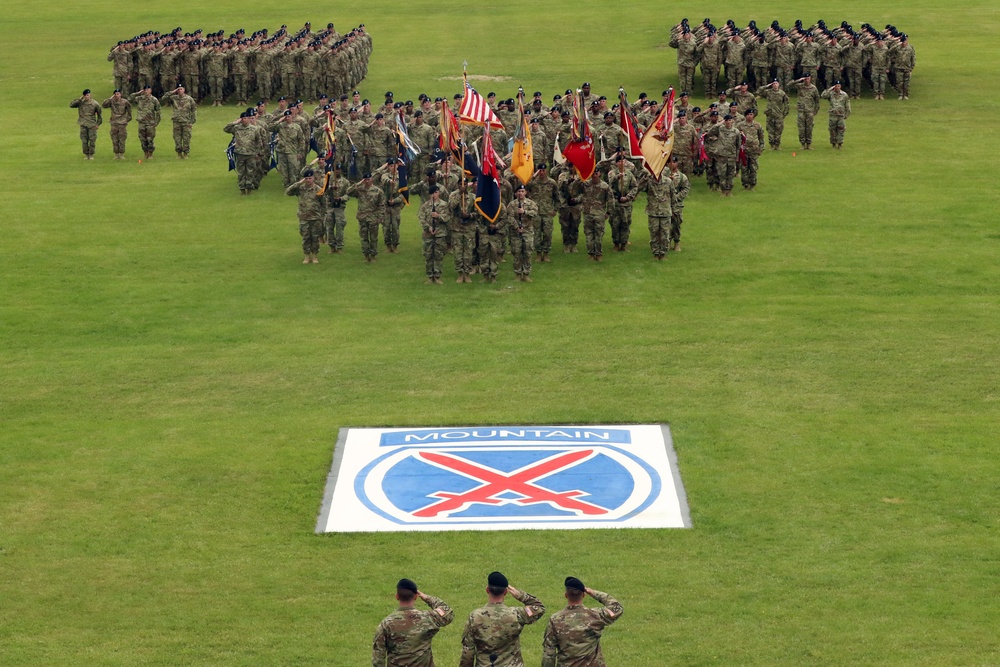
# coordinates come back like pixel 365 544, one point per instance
pixel 305 258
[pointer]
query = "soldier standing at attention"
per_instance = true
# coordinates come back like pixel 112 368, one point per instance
pixel 573 636
pixel 753 146
pixel 807 105
pixel 121 116
pixel 840 109
pixel 89 120
pixel 777 109
pixel 659 209
pixel 434 217
pixel 596 199
pixel 545 193
pixel 148 109
pixel 463 229
pixel 521 216
pixel 336 202
pixel 624 188
pixel 403 638
pixel 904 59
pixel 312 210
pixel 184 117
pixel 727 152
pixel 492 635
pixel 682 186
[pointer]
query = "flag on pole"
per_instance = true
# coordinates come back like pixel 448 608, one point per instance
pixel 451 142
pixel 407 149
pixel 330 132
pixel 658 141
pixel 475 111
pixel 488 184
pixel 522 162
pixel 628 122
pixel 580 149
pixel 231 153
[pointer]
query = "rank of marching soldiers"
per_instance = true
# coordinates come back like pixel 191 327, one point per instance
pixel 511 477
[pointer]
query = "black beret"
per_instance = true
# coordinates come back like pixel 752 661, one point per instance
pixel 367 174
pixel 364 102
pixel 344 97
pixel 378 115
pixel 398 105
pixel 496 578
pixel 573 582
pixel 324 96
pixel 695 109
pixel 543 166
pixel 458 96
pixel 388 93
pixel 307 173
pixel 288 112
pixel 418 112
pixel 586 83
pixel 556 97
pixel 681 113
pixel 86 91
pixel 431 190
pixel 517 189
pixel 439 99
pixel 727 117
pixel 684 93
pixel 404 584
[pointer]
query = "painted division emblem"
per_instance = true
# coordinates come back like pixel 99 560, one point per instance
pixel 488 478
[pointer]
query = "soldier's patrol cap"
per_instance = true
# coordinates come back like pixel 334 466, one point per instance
pixel 404 584
pixel 307 173
pixel 86 91
pixel 288 112
pixel 573 582
pixel 543 166
pixel 496 578
pixel 378 116
pixel 418 112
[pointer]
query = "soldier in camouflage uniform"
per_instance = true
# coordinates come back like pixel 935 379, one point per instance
pixel 289 148
pixel 148 111
pixel 121 116
pixel 403 638
pixel 624 188
pixel 336 205
pixel 434 217
pixel 88 119
pixel 659 202
pixel 184 117
pixel 492 635
pixel 595 199
pixel 710 54
pixel 463 229
pixel 491 244
pixel 570 211
pixel 545 193
pixel 371 210
pixel 682 186
pixel 727 151
pixel 840 109
pixel 685 142
pixel 877 58
pixel 522 216
pixel 904 59
pixel 573 635
pixel 753 146
pixel 311 212
pixel 249 143
pixel 394 203
pixel 687 56
pixel 120 55
pixel 777 108
pixel 807 104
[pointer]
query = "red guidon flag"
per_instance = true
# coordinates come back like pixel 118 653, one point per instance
pixel 628 123
pixel 579 152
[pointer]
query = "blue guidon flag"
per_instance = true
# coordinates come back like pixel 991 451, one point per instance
pixel 512 477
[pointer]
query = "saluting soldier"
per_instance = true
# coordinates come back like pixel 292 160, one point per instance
pixel 544 191
pixel 89 119
pixel 624 188
pixel 310 214
pixel 121 116
pixel 148 111
pixel 403 638
pixel 807 104
pixel 840 109
pixel 248 142
pixel 573 635
pixel 371 211
pixel 777 108
pixel 492 635
pixel 185 115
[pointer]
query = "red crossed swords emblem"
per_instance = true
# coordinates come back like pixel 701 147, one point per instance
pixel 495 483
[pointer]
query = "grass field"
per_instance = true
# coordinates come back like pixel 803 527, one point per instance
pixel 825 350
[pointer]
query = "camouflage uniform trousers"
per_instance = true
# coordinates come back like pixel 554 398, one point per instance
pixel 336 221
pixel 685 74
pixel 215 85
pixel 621 224
pixel 659 235
pixel 147 136
pixel 760 75
pixel 712 172
pixel 240 86
pixel 463 245
pixel 711 78
pixel 903 81
pixel 311 229
pixel 593 231
pixel 246 168
pixel 88 139
pixel 265 90
pixel 368 231
pixel 748 173
pixel 785 76
pixel 676 220
pixel 805 121
pixel 879 79
pixel 434 251
pixel 182 141
pixel 391 222
pixel 490 248
pixel 837 127
pixel 543 233
pixel 262 165
pixel 289 166
pixel 854 81
pixel 569 223
pixel 775 127
pixel 119 133
pixel 522 244
pixel 727 172
pixel 685 163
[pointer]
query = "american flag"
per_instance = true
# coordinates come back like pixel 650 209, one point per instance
pixel 475 111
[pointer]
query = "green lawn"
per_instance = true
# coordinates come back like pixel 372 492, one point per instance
pixel 825 350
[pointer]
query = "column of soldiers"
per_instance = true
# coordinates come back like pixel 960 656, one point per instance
pixel 242 67
pixel 365 160
pixel 828 55
pixel 492 634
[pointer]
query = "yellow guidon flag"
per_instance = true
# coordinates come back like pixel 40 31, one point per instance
pixel 658 141
pixel 522 162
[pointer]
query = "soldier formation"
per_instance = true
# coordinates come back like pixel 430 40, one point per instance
pixel 827 55
pixel 492 634
pixel 239 67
